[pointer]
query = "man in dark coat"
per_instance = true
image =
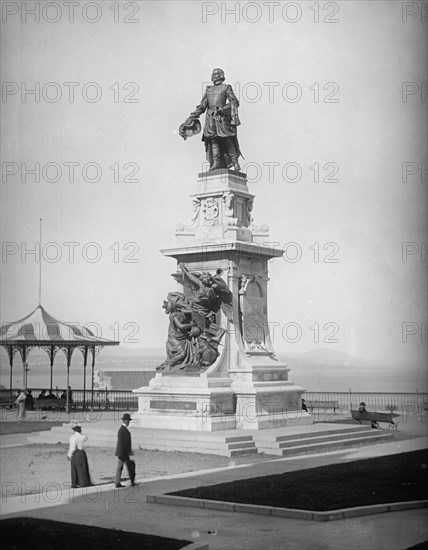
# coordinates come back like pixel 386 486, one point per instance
pixel 124 451
pixel 29 401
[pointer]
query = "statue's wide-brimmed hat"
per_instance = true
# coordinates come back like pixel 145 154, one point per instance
pixel 191 127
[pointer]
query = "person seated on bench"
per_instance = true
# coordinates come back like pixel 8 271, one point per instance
pixel 362 409
pixel 42 395
pixel 51 396
pixel 304 407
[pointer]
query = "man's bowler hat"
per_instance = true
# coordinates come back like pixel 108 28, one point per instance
pixel 126 416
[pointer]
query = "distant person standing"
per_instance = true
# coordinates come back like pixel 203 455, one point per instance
pixel 29 401
pixel 78 459
pixel 304 406
pixel 20 403
pixel 124 451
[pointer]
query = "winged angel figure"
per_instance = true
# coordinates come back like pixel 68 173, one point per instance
pixel 209 293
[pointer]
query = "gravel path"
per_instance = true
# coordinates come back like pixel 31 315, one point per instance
pixel 31 468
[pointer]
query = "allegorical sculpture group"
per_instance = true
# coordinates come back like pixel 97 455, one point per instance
pixel 193 334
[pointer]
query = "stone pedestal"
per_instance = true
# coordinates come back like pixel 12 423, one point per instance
pixel 197 403
pixel 248 386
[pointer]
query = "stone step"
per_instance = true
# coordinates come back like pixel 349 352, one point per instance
pixel 321 438
pixel 242 445
pixel 239 452
pixel 332 446
pixel 285 434
pixel 240 438
pixel 344 431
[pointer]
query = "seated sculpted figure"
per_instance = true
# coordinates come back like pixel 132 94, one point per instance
pixel 180 346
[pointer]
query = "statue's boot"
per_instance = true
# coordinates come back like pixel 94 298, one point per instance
pixel 215 150
pixel 232 154
pixel 234 165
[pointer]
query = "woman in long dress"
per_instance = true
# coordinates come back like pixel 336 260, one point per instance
pixel 20 402
pixel 78 459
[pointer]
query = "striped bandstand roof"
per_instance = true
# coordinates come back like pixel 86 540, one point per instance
pixel 40 328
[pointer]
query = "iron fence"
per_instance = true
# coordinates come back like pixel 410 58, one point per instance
pixel 121 400
pixel 403 402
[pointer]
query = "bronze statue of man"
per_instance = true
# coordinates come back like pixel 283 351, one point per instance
pixel 221 121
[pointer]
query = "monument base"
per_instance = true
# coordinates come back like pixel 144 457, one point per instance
pixel 186 403
pixel 208 404
pixel 270 407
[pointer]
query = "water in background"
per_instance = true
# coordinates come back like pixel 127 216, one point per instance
pixel 39 373
pixel 304 372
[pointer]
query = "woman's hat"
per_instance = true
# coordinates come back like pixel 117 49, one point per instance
pixel 126 416
pixel 76 427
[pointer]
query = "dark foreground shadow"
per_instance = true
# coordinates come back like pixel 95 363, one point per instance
pixel 24 533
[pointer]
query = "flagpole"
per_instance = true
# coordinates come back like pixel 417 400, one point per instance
pixel 40 263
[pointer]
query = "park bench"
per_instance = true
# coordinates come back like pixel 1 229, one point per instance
pixel 375 417
pixel 320 404
pixel 49 404
pixel 7 401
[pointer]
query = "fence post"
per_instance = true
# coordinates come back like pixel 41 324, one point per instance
pixel 350 399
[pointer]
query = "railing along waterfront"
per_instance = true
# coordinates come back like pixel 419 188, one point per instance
pixel 126 400
pixel 119 400
pixel 400 402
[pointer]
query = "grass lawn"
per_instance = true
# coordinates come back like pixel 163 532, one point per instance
pixel 421 546
pixel 380 480
pixel 26 426
pixel 24 533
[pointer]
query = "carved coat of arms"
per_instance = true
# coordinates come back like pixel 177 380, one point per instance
pixel 210 210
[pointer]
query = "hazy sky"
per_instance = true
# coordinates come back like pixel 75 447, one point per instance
pixel 311 92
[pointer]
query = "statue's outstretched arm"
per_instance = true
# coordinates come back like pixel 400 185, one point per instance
pixel 201 108
pixel 193 280
pixel 191 125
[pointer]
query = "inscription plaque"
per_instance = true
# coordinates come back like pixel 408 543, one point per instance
pixel 175 405
pixel 253 310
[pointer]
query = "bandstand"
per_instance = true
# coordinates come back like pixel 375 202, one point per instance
pixel 40 329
